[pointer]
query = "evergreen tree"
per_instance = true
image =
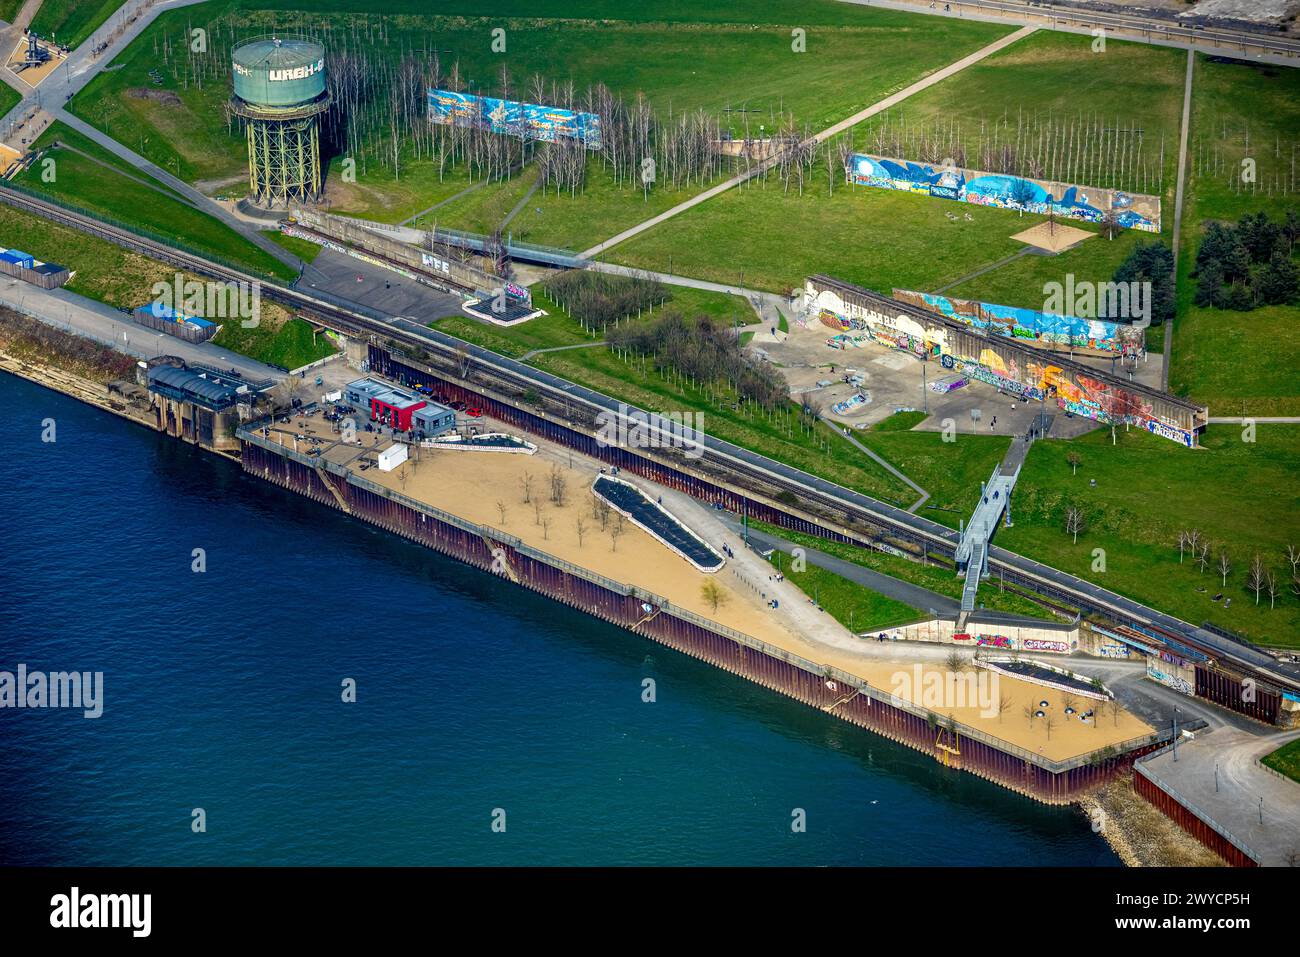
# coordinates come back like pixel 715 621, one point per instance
pixel 1278 281
pixel 1209 287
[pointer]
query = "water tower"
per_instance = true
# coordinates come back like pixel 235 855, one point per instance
pixel 280 92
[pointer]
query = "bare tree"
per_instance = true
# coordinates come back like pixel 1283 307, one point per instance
pixel 600 511
pixel 537 511
pixel 1194 542
pixel 1255 576
pixel 1029 713
pixel 1271 589
pixel 1203 559
pixel 712 593
pixel 954 661
pixel 1293 558
pixel 1004 705
pixel 501 510
pixel 559 486
pixel 1068 701
pixel 615 531
pixel 526 483
pixel 1182 545
pixel 1074 522
pixel 1225 566
pixel 1074 458
pixel 546 527
pixel 580 526
pixel 1049 722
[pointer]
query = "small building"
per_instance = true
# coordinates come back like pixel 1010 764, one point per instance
pixel 163 318
pixel 25 266
pixel 200 404
pixel 397 407
pixel 393 456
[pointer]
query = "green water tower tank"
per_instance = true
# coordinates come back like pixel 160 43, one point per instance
pixel 280 91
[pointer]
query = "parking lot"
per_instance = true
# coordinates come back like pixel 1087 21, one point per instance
pixel 890 380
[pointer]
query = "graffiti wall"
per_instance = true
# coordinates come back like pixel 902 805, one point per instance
pixel 1014 367
pixel 1168 675
pixel 529 121
pixel 1132 210
pixel 1043 329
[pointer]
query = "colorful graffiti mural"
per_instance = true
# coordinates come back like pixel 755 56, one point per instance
pixel 1039 644
pixel 995 641
pixel 1040 328
pixel 1015 368
pixel 1179 684
pixel 529 121
pixel 1132 210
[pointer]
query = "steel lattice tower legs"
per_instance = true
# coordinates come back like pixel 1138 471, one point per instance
pixel 284 161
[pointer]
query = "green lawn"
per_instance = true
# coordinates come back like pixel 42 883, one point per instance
pixel 769 239
pixel 9 98
pixel 853 606
pixel 1241 496
pixel 69 22
pixel 107 273
pixel 305 250
pixel 635 381
pixel 883 240
pixel 9 9
pixel 1285 760
pixel 1052 82
pixel 738 56
pixel 101 183
pixel 927 576
pixel 1238 362
pixel 289 344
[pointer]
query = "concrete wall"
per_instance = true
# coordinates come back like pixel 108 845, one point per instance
pixel 1038 640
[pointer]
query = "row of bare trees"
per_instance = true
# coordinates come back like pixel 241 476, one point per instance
pixel 1088 149
pixel 702 351
pixel 1260 579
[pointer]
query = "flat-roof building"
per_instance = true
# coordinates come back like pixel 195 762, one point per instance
pixel 397 407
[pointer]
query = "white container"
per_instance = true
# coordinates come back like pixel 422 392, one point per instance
pixel 391 457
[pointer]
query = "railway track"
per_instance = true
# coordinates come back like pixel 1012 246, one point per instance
pixel 357 320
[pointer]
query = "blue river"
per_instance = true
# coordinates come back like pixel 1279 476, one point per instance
pixel 222 690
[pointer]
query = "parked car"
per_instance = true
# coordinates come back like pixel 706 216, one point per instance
pixel 473 413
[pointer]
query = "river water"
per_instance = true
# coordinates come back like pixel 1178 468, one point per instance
pixel 475 700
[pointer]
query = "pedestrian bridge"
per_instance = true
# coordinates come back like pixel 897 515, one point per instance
pixel 973 551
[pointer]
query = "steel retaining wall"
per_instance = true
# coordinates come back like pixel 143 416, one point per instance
pixel 834 692
pixel 1189 820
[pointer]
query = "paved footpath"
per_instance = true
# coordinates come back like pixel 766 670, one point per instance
pixel 82 66
pixel 937 77
pixel 1218 773
pixel 94 320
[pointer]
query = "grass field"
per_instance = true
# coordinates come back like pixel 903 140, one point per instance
pixel 767 239
pixel 1217 354
pixel 633 51
pixel 1285 760
pixel 853 606
pixel 1241 496
pixel 9 98
pixel 69 22
pixel 88 176
pixel 635 381
pixel 927 576
pixel 9 9
pixel 883 239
